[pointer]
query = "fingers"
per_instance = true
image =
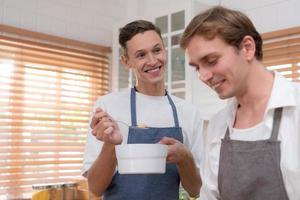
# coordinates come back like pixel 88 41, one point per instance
pixel 176 150
pixel 171 151
pixel 98 115
pixel 109 133
pixel 104 128
pixel 109 130
pixel 168 141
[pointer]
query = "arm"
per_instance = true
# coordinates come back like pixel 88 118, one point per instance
pixel 183 158
pixel 101 172
pixel 189 175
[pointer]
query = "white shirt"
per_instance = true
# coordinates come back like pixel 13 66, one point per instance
pixel 284 94
pixel 154 111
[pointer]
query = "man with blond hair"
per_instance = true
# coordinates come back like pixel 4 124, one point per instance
pixel 252 146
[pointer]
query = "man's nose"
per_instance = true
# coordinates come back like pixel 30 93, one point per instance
pixel 151 59
pixel 204 74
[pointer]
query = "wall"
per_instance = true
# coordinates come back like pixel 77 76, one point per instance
pixel 84 20
pixel 154 8
pixel 267 15
pixel 93 20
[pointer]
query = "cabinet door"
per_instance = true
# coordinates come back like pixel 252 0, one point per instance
pixel 172 26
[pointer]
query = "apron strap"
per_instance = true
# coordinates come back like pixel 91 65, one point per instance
pixel 275 128
pixel 227 135
pixel 276 123
pixel 175 116
pixel 133 108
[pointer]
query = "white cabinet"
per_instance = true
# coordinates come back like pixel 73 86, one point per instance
pixel 172 26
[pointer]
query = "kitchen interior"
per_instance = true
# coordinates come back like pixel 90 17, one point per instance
pixel 58 56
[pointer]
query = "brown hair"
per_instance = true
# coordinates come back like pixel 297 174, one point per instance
pixel 133 28
pixel 230 25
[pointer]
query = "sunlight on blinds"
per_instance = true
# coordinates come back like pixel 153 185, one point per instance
pixel 282 52
pixel 46 96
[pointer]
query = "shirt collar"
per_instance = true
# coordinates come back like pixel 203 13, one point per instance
pixel 282 95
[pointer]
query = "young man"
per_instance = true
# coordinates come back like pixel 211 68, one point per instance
pixel 252 146
pixel 169 120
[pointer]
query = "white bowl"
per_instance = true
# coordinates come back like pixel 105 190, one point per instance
pixel 141 158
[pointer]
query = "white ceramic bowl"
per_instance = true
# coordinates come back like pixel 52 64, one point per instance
pixel 141 158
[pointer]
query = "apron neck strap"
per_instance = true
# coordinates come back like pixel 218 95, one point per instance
pixel 276 123
pixel 133 108
pixel 275 129
pixel 227 135
pixel 175 116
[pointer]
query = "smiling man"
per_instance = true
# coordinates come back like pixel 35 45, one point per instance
pixel 164 118
pixel 252 146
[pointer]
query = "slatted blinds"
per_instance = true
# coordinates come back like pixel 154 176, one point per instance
pixel 46 95
pixel 282 52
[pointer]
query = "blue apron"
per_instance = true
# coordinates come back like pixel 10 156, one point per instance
pixel 147 186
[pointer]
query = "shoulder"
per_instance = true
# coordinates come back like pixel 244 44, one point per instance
pixel 218 124
pixel 114 96
pixel 187 110
pixel 220 115
pixel 183 104
pixel 294 91
pixel 113 99
pixel 296 86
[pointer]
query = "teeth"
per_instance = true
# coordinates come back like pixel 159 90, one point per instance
pixel 217 85
pixel 152 70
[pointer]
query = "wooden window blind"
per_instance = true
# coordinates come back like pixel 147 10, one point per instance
pixel 282 52
pixel 47 92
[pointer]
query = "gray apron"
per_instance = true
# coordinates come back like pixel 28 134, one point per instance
pixel 251 169
pixel 147 186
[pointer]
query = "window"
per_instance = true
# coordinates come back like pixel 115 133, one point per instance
pixel 282 52
pixel 172 27
pixel 126 76
pixel 46 95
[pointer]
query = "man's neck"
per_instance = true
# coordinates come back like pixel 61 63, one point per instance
pixel 254 100
pixel 257 89
pixel 151 90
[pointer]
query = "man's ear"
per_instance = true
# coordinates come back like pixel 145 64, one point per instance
pixel 125 61
pixel 248 47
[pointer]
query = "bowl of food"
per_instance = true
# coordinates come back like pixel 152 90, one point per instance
pixel 141 158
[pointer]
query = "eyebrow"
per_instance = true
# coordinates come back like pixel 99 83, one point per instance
pixel 142 50
pixel 212 54
pixel 139 51
pixel 157 45
pixel 207 56
pixel 192 64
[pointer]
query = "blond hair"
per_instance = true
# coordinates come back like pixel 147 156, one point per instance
pixel 230 25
